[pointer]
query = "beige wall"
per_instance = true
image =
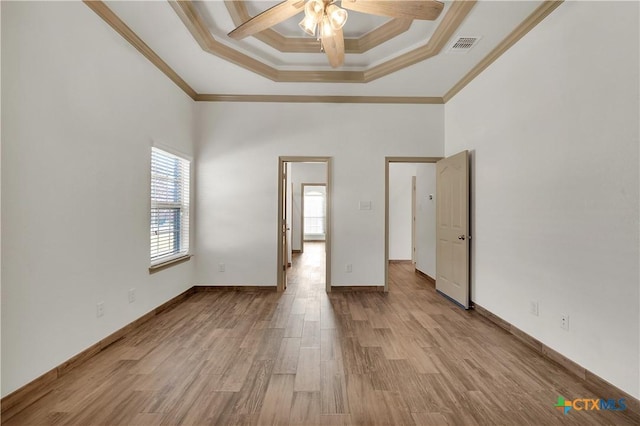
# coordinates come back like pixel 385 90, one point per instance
pixel 553 129
pixel 237 210
pixel 80 110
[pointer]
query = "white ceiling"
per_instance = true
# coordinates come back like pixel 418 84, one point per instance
pixel 159 26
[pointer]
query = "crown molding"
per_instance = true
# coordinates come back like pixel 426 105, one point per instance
pixel 521 30
pixel 457 12
pixel 127 33
pixel 190 17
pixel 321 99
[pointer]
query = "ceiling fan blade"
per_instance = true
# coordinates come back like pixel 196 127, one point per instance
pixel 268 18
pixel 411 9
pixel 334 48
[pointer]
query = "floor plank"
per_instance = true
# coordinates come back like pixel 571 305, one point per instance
pixel 305 357
pixel 276 407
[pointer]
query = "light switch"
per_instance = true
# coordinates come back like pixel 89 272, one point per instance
pixel 364 205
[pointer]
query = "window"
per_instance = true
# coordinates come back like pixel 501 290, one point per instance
pixel 314 217
pixel 169 206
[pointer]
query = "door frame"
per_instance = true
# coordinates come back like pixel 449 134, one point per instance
pixel 302 185
pixel 280 277
pixel 387 161
pixel 413 220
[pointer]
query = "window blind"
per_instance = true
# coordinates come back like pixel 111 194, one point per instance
pixel 170 177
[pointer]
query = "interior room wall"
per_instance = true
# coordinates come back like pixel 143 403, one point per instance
pixel 400 188
pixel 303 173
pixel 250 136
pixel 553 129
pixel 426 218
pixel 80 109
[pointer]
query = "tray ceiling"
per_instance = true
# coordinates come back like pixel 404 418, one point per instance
pixel 385 57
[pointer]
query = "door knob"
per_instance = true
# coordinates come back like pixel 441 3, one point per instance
pixel 461 237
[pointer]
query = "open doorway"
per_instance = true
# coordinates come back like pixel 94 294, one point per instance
pixel 304 221
pixel 410 214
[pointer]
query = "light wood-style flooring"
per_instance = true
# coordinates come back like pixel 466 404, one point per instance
pixel 305 357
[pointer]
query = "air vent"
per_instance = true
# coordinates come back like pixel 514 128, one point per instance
pixel 463 44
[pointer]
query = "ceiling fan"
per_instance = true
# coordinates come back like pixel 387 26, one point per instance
pixel 324 19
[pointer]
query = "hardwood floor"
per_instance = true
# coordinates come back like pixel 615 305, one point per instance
pixel 305 357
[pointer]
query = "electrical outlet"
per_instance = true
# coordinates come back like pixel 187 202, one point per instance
pixel 564 322
pixel 221 267
pixel 132 295
pixel 348 268
pixel 533 307
pixel 100 309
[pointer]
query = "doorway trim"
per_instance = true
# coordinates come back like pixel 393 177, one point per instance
pixel 302 159
pixel 387 161
pixel 413 221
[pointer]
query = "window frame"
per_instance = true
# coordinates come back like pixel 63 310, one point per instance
pixel 184 205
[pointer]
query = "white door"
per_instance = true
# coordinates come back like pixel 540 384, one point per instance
pixel 452 234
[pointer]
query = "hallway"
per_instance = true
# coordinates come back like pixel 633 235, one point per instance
pixel 307 271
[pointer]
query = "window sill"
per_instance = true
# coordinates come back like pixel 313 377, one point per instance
pixel 160 266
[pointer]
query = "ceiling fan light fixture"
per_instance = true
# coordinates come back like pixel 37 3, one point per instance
pixel 326 30
pixel 337 16
pixel 314 9
pixel 309 25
